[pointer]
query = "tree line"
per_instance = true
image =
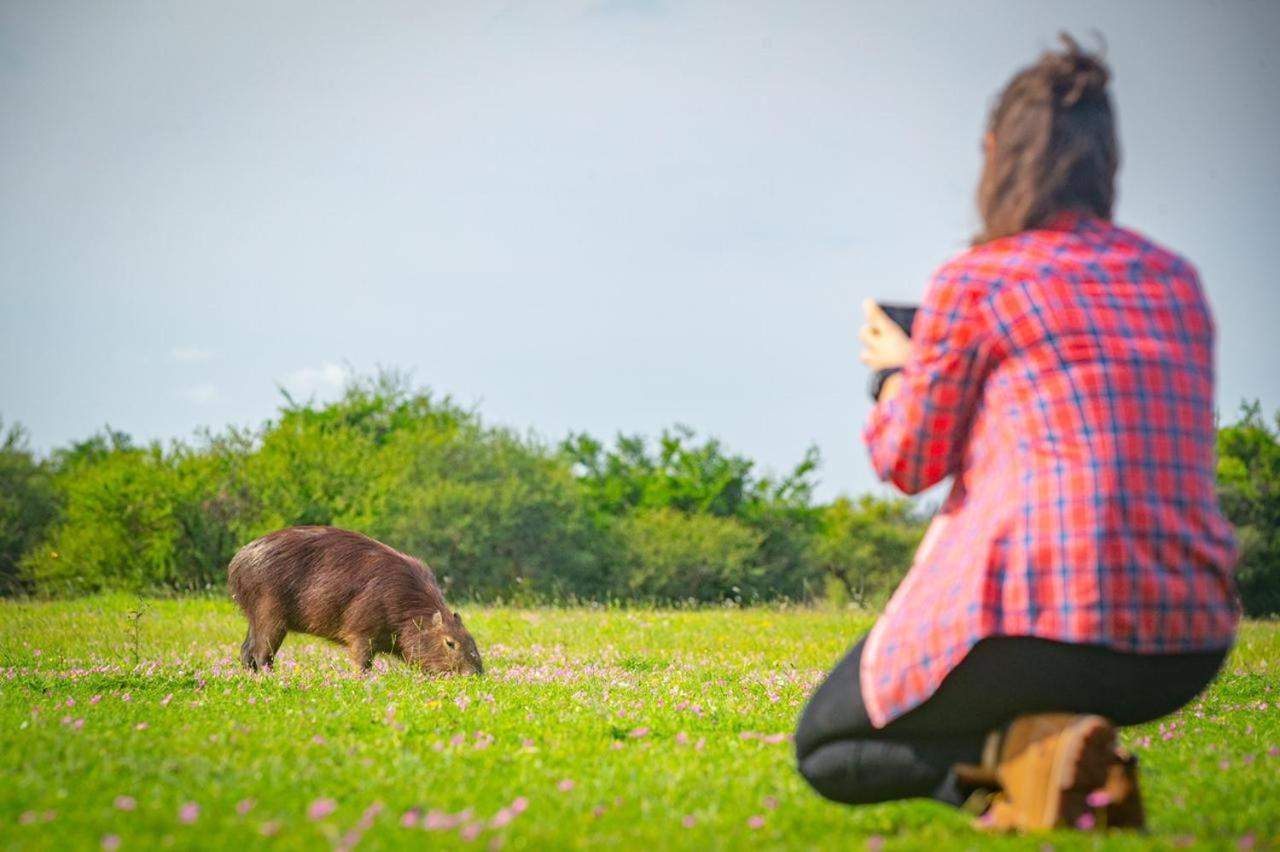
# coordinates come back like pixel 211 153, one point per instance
pixel 499 515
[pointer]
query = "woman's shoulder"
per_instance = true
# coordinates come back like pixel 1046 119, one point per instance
pixel 1152 254
pixel 982 265
pixel 1038 252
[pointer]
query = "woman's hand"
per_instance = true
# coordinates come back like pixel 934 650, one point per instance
pixel 884 343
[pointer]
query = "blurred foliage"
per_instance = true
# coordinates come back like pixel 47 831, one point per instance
pixel 498 515
pixel 863 545
pixel 1249 490
pixel 28 505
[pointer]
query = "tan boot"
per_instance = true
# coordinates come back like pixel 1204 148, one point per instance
pixel 1048 765
pixel 1000 816
pixel 1121 794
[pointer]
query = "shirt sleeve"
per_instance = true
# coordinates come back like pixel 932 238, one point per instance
pixel 916 439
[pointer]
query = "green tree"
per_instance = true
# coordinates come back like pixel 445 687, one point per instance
pixel 117 528
pixel 699 478
pixel 28 504
pixel 496 515
pixel 866 546
pixel 669 555
pixel 1249 490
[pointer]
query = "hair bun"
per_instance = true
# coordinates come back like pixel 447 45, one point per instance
pixel 1075 75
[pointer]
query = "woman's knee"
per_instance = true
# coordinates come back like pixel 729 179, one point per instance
pixel 832 771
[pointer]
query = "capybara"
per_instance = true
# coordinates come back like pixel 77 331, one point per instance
pixel 350 589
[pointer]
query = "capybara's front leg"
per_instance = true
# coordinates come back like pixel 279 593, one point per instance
pixel 360 650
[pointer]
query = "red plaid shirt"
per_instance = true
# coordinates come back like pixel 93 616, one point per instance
pixel 1064 378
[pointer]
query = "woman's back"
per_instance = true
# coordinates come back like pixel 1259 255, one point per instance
pixel 1064 378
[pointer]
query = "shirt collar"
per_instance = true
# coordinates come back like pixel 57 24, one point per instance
pixel 1068 220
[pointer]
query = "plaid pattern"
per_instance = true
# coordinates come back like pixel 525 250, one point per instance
pixel 1064 378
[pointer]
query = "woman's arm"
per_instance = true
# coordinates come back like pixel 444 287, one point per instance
pixel 916 432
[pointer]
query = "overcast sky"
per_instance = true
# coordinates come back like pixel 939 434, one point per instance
pixel 594 216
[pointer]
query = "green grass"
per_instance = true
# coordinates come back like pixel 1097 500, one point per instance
pixel 602 699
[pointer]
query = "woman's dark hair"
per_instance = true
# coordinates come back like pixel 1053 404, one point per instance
pixel 1052 145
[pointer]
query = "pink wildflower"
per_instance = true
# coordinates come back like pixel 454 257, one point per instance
pixel 771 803
pixel 519 804
pixel 270 828
pixel 689 821
pixel 164 702
pixel 875 842
pixel 639 732
pixel 1247 842
pixel 565 786
pixel 188 813
pixel 321 808
pixel 125 803
pixel 1085 822
pixel 141 726
pixel 682 738
pixel 503 817
pixel 244 806
pixel 411 818
pixel 27 818
pixel 369 815
pixel 1098 799
pixel 471 831
pixel 755 822
pixel 110 842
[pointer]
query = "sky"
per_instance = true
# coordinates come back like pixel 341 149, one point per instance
pixel 575 216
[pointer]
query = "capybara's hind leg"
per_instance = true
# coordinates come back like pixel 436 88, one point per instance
pixel 246 651
pixel 268 632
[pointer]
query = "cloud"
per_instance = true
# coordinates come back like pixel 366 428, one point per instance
pixel 201 394
pixel 310 380
pixel 189 353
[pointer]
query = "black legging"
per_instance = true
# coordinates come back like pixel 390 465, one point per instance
pixel 848 760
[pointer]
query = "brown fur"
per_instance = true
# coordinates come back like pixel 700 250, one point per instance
pixel 350 589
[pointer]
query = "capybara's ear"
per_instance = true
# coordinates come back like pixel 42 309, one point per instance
pixel 458 617
pixel 437 620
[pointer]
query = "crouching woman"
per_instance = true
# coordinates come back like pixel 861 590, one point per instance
pixel 1078 575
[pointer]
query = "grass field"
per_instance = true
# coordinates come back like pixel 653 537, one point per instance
pixel 612 729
